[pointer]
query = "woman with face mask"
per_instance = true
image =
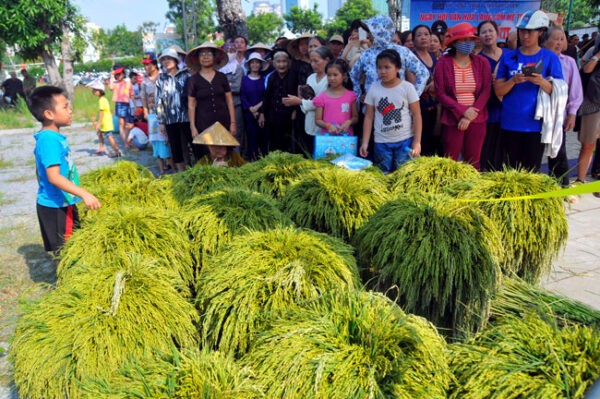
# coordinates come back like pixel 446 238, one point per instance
pixel 463 84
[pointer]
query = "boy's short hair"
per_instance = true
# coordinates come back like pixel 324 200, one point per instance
pixel 42 99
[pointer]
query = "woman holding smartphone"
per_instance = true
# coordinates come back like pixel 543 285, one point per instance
pixel 521 74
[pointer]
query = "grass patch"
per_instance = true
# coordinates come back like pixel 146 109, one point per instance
pixel 6 164
pixel 85 106
pixel 19 179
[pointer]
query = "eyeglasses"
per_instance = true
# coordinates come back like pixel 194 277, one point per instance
pixel 206 54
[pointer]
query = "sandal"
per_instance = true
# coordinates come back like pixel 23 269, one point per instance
pixel 117 155
pixel 100 153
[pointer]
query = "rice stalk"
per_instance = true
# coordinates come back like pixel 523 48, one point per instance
pixel 213 219
pixel 92 326
pixel 516 297
pixel 121 174
pixel 186 374
pixel 440 254
pixel 533 231
pixel 261 274
pixel 429 175
pixel 202 179
pixel 527 357
pixel 273 174
pixel 350 345
pixel 334 201
pixel 109 237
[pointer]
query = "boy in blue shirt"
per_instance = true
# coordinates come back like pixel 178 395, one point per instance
pixel 58 191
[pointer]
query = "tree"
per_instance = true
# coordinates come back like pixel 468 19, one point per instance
pixel 585 12
pixel 37 28
pixel 264 27
pixel 119 42
pixel 348 12
pixel 301 20
pixel 199 21
pixel 232 20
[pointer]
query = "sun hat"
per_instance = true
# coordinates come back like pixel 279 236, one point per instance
pixel 192 61
pixel 256 56
pixel 178 49
pixel 149 56
pixel 292 47
pixel 96 85
pixel 336 38
pixel 258 46
pixel 117 69
pixel 169 52
pixel 463 30
pixel 533 19
pixel 216 134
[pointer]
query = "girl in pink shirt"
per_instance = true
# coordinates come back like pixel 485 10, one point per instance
pixel 336 109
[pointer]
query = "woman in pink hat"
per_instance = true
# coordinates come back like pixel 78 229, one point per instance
pixel 463 84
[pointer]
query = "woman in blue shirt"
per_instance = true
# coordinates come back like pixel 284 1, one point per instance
pixel 521 133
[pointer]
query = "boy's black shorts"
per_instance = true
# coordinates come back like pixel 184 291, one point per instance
pixel 57 225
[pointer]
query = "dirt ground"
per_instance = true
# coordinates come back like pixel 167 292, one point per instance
pixel 26 268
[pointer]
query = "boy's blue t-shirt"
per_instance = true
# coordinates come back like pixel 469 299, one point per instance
pixel 518 105
pixel 51 148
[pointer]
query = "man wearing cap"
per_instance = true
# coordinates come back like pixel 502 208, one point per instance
pixel 13 88
pixel 336 45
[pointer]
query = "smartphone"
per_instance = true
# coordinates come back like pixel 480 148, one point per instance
pixel 528 70
pixel 362 34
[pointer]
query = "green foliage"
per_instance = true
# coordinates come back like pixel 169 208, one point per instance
pixel 106 64
pixel 202 10
pixel 261 274
pixel 527 357
pixel 182 374
pixel 533 231
pixel 585 12
pixel 264 27
pixel 273 174
pixel 334 200
pixel 114 233
pixel 350 345
pixel 212 220
pixel 90 327
pixel 429 175
pixel 301 20
pixel 440 254
pixel 34 26
pixel 516 297
pixel 202 179
pixel 118 42
pixel 348 12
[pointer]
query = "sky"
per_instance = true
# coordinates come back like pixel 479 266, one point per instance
pixel 110 13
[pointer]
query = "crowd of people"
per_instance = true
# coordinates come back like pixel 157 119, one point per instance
pixel 458 92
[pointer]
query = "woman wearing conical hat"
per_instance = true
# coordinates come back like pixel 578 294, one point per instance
pixel 220 144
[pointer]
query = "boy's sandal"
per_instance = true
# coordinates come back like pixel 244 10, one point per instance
pixel 117 155
pixel 100 153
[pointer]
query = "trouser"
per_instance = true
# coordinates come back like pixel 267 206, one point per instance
pixel 467 142
pixel 491 152
pixel 522 150
pixel 430 143
pixel 559 166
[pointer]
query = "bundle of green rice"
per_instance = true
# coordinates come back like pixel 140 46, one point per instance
pixel 118 232
pixel 264 273
pixel 533 231
pixel 90 327
pixel 440 254
pixel 517 297
pixel 527 357
pixel 188 374
pixel 121 174
pixel 213 219
pixel 202 179
pixel 334 201
pixel 351 345
pixel 429 175
pixel 272 174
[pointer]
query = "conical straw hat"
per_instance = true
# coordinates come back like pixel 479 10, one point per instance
pixel 216 134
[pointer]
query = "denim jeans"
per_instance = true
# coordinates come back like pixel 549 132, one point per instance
pixel 389 156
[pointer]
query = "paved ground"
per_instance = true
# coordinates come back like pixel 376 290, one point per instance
pixel 576 273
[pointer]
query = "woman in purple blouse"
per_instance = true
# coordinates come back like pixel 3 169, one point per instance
pixel 251 95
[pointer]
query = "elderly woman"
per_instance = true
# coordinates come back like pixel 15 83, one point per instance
pixel 463 84
pixel 209 95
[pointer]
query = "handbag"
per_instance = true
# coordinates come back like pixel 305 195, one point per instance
pixel 328 146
